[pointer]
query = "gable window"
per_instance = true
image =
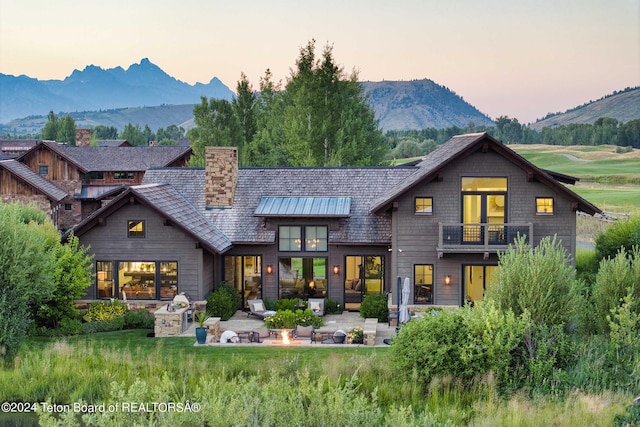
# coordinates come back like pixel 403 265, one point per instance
pixel 423 284
pixel 67 206
pixel 424 206
pixel 123 175
pixel 544 206
pixel 310 238
pixel 43 169
pixel 135 228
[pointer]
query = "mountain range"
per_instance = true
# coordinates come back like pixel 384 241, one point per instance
pixel 145 94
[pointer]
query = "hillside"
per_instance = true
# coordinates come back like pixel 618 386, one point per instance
pixel 622 106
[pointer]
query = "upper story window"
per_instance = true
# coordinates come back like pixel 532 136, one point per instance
pixel 123 175
pixel 43 169
pixel 424 206
pixel 296 238
pixel 544 206
pixel 135 228
pixel 93 175
pixel 484 184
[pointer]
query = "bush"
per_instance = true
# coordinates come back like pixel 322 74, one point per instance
pixel 288 319
pixel 623 233
pixel 287 304
pixel 103 325
pixel 537 280
pixel 375 305
pixel 105 310
pixel 138 319
pixel 332 306
pixel 614 279
pixel 223 302
pixel 70 327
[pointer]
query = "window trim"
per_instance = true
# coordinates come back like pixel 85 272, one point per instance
pixel 415 206
pixel 545 212
pixel 135 236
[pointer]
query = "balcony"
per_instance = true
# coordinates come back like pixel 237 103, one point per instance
pixel 479 238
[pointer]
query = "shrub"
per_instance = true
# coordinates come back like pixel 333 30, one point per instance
pixel 287 304
pixel 624 233
pixel 70 327
pixel 138 319
pixel 375 305
pixel 103 325
pixel 537 280
pixel 288 319
pixel 332 306
pixel 223 302
pixel 105 310
pixel 615 277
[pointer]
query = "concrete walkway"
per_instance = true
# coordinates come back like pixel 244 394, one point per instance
pixel 240 322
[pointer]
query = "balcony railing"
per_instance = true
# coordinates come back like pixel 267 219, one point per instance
pixel 486 237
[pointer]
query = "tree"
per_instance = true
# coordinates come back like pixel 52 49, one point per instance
pixel 216 124
pixel 104 132
pixel 50 129
pixel 170 136
pixel 509 130
pixel 66 130
pixel 244 108
pixel 328 120
pixel 134 135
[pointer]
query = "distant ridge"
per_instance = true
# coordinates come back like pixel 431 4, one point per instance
pixel 622 106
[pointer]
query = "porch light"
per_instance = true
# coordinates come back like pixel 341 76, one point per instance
pixel 447 280
pixel 269 269
pixel 336 269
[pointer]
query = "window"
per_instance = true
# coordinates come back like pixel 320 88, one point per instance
pixel 423 284
pixel 289 238
pixel 123 175
pixel 245 272
pixel 168 280
pixel 67 206
pixel 135 228
pixel 302 277
pixel 43 169
pixel 93 175
pixel 104 279
pixel 544 206
pixel 424 206
pixel 315 238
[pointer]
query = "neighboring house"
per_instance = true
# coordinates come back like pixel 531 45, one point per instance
pixel 336 232
pixel 12 148
pixel 90 175
pixel 113 143
pixel 19 183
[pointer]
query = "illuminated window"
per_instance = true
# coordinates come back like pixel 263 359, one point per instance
pixel 424 206
pixel 314 239
pixel 423 284
pixel 544 206
pixel 135 228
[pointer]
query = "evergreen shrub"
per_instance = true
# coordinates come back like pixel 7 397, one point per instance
pixel 375 306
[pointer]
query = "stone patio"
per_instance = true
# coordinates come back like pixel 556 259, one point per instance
pixel 241 323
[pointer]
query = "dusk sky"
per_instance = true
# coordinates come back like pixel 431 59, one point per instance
pixel 521 58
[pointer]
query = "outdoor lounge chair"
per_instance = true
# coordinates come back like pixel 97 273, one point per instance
pixel 257 309
pixel 260 334
pixel 317 306
pixel 304 332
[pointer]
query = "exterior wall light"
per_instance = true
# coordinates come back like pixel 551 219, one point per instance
pixel 336 269
pixel 447 280
pixel 269 269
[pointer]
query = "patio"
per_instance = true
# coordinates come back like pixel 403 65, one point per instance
pixel 242 324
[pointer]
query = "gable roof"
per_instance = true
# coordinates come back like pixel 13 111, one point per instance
pixel 169 204
pixel 120 159
pixel 459 146
pixel 113 143
pixel 42 185
pixel 241 225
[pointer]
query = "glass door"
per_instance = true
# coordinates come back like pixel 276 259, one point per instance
pixel 364 275
pixel 476 280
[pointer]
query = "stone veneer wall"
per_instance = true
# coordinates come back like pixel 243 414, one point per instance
pixel 221 176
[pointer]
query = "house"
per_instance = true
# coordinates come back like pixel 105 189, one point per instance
pixel 336 232
pixel 12 148
pixel 91 175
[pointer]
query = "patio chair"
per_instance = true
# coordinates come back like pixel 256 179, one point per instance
pixel 257 309
pixel 260 334
pixel 317 306
pixel 304 332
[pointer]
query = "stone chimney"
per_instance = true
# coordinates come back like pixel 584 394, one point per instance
pixel 83 137
pixel 221 176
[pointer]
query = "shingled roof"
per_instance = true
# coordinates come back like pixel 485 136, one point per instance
pixel 42 185
pixel 461 145
pixel 241 224
pixel 120 159
pixel 169 204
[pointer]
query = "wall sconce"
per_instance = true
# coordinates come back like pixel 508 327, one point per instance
pixel 336 269
pixel 269 269
pixel 447 280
